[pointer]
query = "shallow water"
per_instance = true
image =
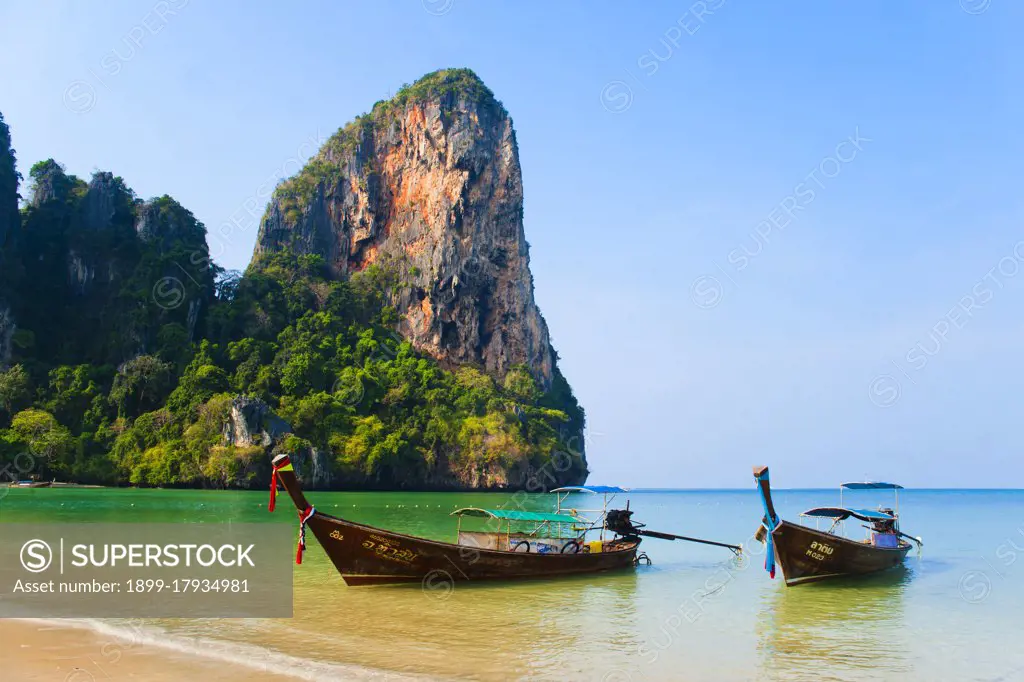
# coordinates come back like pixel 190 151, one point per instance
pixel 695 614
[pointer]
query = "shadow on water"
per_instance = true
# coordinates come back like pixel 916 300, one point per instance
pixel 838 629
pixel 441 581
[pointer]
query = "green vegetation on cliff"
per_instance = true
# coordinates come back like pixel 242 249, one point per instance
pixel 325 167
pixel 462 83
pixel 320 352
pixel 131 346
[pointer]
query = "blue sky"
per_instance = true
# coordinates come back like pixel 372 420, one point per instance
pixel 709 312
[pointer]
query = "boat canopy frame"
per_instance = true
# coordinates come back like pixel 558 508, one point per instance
pixel 554 523
pixel 862 514
pixel 607 492
pixel 874 485
pixel 547 524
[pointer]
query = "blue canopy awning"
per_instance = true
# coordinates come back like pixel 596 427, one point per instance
pixel 871 485
pixel 517 515
pixel 600 489
pixel 844 513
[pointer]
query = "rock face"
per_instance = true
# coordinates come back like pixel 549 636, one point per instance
pixel 429 183
pixel 10 222
pixel 86 245
pixel 100 203
pixel 9 217
pixel 163 221
pixel 253 423
pixel 49 183
pixel 7 329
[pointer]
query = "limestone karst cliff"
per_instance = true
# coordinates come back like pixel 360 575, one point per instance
pixel 385 335
pixel 10 221
pixel 9 179
pixel 90 257
pixel 429 182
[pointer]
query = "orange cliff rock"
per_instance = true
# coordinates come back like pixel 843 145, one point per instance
pixel 431 181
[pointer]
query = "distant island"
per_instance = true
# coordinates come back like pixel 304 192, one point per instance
pixel 385 333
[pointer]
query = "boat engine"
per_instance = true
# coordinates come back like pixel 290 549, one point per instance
pixel 619 521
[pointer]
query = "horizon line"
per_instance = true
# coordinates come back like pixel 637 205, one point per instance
pixel 834 487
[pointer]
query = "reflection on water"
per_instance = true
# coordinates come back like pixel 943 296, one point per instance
pixel 839 629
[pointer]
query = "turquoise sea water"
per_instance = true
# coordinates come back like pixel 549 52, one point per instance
pixel 697 613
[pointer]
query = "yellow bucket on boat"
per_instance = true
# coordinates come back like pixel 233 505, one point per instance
pixel 595 546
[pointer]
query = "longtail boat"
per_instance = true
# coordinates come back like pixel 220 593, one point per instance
pixel 31 484
pixel 810 554
pixel 518 544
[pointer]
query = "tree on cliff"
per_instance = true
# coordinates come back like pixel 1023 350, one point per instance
pixel 131 343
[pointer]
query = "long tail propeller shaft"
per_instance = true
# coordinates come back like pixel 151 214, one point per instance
pixel 619 521
pixel 669 536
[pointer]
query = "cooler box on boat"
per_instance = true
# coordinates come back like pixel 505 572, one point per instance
pixel 886 540
pixel 595 546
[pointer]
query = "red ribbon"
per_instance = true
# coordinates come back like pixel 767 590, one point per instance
pixel 303 517
pixel 273 490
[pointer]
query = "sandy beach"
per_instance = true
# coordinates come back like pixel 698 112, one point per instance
pixel 39 651
pixel 116 651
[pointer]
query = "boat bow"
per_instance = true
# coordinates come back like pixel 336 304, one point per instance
pixel 770 521
pixel 284 473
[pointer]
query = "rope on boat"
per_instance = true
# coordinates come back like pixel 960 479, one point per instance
pixel 709 593
pixel 304 516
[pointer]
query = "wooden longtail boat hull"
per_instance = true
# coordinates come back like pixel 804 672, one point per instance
pixel 365 555
pixel 806 555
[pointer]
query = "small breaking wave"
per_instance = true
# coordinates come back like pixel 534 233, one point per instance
pixel 126 636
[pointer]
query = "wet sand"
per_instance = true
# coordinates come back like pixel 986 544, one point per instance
pixel 36 651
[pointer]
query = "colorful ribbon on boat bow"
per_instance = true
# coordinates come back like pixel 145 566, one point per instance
pixel 304 516
pixel 769 522
pixel 273 485
pixel 769 551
